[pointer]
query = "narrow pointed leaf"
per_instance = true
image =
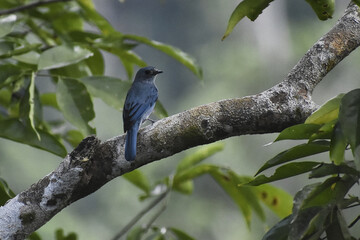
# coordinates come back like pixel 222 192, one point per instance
pixel 349 120
pixel 200 155
pixel 299 151
pixel 299 131
pixel 180 235
pixel 75 103
pixel 285 171
pixel 326 169
pixel 14 130
pixel 247 8
pixel 338 146
pixel 5 192
pixel 31 100
pixel 324 9
pixel 137 178
pixel 61 56
pixel 111 90
pixel 173 52
pixel 327 112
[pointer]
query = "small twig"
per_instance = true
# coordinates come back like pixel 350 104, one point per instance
pixel 30 5
pixel 140 215
pixel 353 222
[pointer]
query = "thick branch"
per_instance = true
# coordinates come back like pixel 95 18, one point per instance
pixel 29 6
pixel 92 163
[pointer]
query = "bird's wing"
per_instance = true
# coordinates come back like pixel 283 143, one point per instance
pixel 136 107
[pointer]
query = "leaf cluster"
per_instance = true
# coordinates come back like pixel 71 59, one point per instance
pixel 52 43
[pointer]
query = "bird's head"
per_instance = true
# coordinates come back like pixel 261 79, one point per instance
pixel 147 73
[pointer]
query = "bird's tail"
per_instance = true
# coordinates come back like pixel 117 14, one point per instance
pixel 130 144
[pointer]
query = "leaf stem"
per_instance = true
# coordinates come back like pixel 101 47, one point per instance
pixel 29 6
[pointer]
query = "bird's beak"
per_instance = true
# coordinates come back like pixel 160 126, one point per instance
pixel 157 71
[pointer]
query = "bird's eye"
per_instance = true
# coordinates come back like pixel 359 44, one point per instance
pixel 147 72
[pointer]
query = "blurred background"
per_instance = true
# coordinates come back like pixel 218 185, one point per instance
pixel 256 56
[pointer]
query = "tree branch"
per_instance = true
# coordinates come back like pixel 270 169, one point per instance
pixel 92 164
pixel 29 6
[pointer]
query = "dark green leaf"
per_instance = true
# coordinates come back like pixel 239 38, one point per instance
pixel 327 112
pixel 324 132
pixel 160 111
pixel 67 22
pixel 137 178
pixel 9 73
pixel 7 24
pixel 96 62
pixel 173 52
pixel 90 13
pixel 337 229
pixel 300 131
pixel 180 235
pixel 34 236
pixel 299 151
pixel 111 90
pixel 285 171
pixel 73 137
pixel 49 99
pixel 75 103
pixel 20 51
pixel 200 155
pixel 249 8
pixel 280 231
pixel 324 9
pixel 5 192
pixel 349 120
pixel 14 130
pixel 136 233
pixel 338 145
pixel 59 235
pixel 61 56
pixel 327 169
pixel 276 199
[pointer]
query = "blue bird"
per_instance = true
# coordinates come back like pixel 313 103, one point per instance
pixel 140 102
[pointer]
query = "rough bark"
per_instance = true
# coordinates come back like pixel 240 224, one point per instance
pixel 92 163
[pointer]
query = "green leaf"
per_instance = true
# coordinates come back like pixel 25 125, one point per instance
pixel 111 90
pixel 249 8
pixel 337 146
pixel 136 233
pixel 200 155
pixel 14 130
pixel 61 56
pixel 49 99
pixel 299 151
pixel 59 235
pixel 92 16
pixel 68 22
pixel 349 120
pixel 179 234
pixel 75 71
pixel 27 106
pixel 276 199
pixel 7 24
pixel 191 173
pixel 244 197
pixel 327 112
pixel 296 132
pixel 326 169
pixel 21 50
pixel 96 62
pixel 73 137
pixel 280 231
pixel 285 171
pixel 185 187
pixel 137 178
pixel 324 132
pixel 34 236
pixel 5 192
pixel 31 57
pixel 160 110
pixel 173 52
pixel 324 9
pixel 9 73
pixel 75 103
